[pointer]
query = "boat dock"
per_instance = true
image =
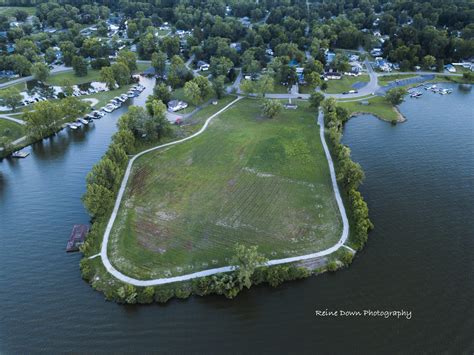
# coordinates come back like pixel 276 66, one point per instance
pixel 77 238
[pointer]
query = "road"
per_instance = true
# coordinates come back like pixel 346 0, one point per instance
pixel 55 70
pixel 161 281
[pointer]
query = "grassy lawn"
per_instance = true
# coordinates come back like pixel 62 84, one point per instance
pixel 106 96
pixel 57 79
pixel 279 89
pixel 377 106
pixel 247 179
pixel 386 79
pixel 345 83
pixel 20 87
pixel 10 130
pixel 451 79
pixel 10 10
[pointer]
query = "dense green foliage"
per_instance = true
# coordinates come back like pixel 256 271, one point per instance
pixel 349 174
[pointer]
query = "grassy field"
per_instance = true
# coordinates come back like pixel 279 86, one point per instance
pixel 386 79
pixel 10 10
pixel 377 106
pixel 10 131
pixel 345 83
pixel 57 79
pixel 246 179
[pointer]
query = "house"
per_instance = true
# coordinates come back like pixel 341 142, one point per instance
pixel 383 65
pixel 237 46
pixel 376 52
pixel 176 105
pixel 450 68
pixel 332 76
pixel 245 21
pixel 202 65
pixel 329 56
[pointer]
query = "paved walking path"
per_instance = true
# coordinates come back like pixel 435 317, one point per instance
pixel 10 118
pixel 161 281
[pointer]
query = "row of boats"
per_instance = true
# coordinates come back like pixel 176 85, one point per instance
pixel 433 88
pixel 113 105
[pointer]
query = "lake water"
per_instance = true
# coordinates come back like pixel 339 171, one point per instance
pixel 419 258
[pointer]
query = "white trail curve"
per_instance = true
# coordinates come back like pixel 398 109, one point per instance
pixel 117 274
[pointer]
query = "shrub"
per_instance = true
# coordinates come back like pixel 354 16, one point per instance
pixel 163 294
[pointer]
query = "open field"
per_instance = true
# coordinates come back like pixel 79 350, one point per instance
pixel 345 83
pixel 246 179
pixel 377 106
pixel 10 10
pixel 385 79
pixel 10 131
pixel 57 79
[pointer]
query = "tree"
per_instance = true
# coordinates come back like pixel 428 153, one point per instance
pixel 128 58
pixel 204 86
pixel 97 200
pixel 121 73
pixel 117 155
pixel 40 71
pixel 21 65
pixel 158 125
pixel 178 74
pixel 50 55
pixel 315 99
pixel 245 261
pixel 170 45
pixel 158 61
pixel 43 119
pixel 67 87
pixel 429 61
pixel 264 84
pixel 79 65
pixel 313 80
pixel 161 92
pixel 193 92
pixel 218 86
pixel 220 66
pixel 396 95
pixel 247 86
pixel 108 77
pixel 271 108
pixel 105 173
pixel 10 98
pixel 71 107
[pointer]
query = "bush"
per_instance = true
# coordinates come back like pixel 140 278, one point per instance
pixel 99 63
pixel 146 294
pixel 332 266
pixel 163 294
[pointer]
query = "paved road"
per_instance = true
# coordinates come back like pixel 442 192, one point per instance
pixel 55 70
pixel 161 281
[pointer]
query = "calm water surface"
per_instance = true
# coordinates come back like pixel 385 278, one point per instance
pixel 420 257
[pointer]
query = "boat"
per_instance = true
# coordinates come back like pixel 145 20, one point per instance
pixel 84 121
pixel 19 154
pixel 72 125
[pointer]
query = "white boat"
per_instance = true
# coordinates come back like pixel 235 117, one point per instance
pixel 72 125
pixel 84 121
pixel 108 109
pixel 20 154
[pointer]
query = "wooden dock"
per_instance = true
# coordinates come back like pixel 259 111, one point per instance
pixel 77 238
